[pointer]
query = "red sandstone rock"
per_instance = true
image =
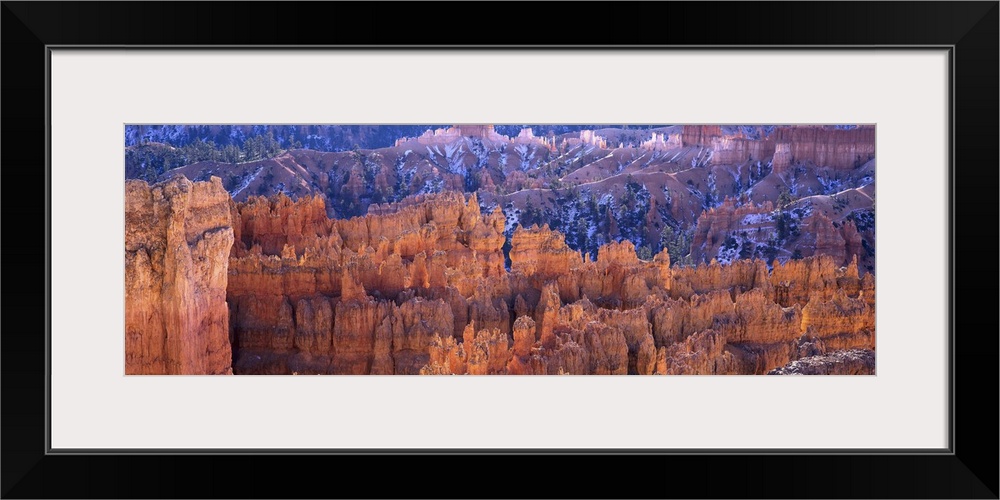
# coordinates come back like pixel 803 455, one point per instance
pixel 715 224
pixel 541 252
pixel 822 238
pixel 420 287
pixel 701 354
pixel 825 146
pixel 177 240
pixel 695 135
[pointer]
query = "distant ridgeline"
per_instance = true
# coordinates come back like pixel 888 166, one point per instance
pixel 154 149
pixel 317 137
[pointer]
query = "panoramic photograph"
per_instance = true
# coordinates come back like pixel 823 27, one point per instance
pixel 475 249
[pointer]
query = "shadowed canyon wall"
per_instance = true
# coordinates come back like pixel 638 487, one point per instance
pixel 836 148
pixel 821 145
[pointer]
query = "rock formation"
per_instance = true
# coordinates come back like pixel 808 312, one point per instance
pixel 822 146
pixel 826 146
pixel 700 135
pixel 737 150
pixel 593 186
pixel 850 362
pixel 729 232
pixel 393 280
pixel 177 240
pixel 421 287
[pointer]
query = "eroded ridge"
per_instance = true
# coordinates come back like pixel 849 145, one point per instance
pixel 421 287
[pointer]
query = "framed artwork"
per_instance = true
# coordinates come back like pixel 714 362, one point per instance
pixel 375 217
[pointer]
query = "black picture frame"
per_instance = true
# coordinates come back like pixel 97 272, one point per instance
pixel 969 469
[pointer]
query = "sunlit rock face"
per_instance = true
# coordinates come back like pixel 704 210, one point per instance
pixel 420 287
pixel 178 236
pixel 363 295
pixel 273 286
